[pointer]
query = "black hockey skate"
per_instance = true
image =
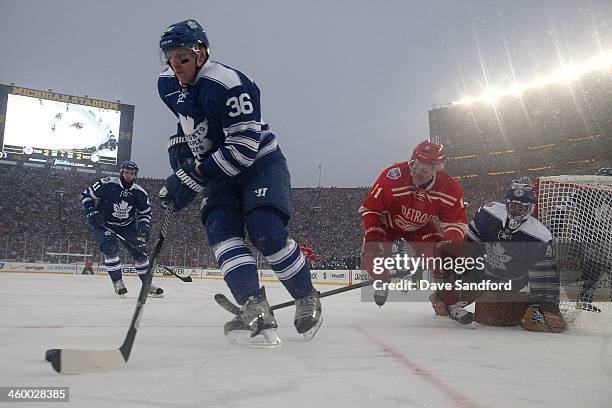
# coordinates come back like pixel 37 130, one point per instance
pixel 588 306
pixel 120 288
pixel 585 302
pixel 381 295
pixel 458 314
pixel 155 291
pixel 254 325
pixel 308 319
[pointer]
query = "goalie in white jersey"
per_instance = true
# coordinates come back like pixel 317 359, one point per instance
pixel 516 247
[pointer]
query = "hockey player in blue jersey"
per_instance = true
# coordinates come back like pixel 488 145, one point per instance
pixel 224 150
pixel 516 247
pixel 119 204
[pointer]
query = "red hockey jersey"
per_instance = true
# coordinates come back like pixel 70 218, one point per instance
pixel 396 208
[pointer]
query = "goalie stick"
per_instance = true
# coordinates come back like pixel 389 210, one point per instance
pixel 128 243
pixel 73 361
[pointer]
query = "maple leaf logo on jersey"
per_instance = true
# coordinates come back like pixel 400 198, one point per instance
pixel 122 210
pixel 496 256
pixel 196 135
pixel 190 128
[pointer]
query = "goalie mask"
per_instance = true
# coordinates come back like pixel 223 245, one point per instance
pixel 520 204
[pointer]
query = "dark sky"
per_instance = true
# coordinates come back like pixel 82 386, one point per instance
pixel 345 84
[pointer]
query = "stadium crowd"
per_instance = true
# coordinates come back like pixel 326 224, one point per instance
pixel 41 221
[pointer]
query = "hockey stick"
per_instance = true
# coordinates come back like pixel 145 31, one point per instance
pixel 329 293
pixel 228 305
pixel 72 361
pixel 133 247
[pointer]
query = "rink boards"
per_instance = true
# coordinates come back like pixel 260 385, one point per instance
pixel 321 277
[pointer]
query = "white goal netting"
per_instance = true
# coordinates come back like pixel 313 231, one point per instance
pixel 578 212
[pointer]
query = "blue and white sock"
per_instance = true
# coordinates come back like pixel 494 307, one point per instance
pixel 113 267
pixel 291 268
pixel 239 268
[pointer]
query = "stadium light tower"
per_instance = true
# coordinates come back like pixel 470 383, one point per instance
pixel 565 74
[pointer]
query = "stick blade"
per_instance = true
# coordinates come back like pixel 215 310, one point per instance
pixel 227 304
pixel 71 361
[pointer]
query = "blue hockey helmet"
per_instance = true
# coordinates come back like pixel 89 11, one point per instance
pixel 129 166
pixel 520 203
pixel 188 33
pixel 604 171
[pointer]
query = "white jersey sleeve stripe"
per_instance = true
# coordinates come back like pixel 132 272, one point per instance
pixel 239 157
pixel 243 141
pixel 223 164
pixel 441 199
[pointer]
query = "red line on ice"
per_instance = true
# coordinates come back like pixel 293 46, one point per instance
pixel 449 392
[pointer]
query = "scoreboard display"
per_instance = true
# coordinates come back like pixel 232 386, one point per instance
pixel 64 130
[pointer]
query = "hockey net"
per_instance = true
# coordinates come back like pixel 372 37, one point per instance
pixel 578 212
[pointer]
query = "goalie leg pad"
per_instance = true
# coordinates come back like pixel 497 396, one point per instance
pixel 542 319
pixel 495 308
pixel 500 313
pixel 437 304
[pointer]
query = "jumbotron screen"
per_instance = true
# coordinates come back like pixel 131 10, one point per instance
pixel 63 130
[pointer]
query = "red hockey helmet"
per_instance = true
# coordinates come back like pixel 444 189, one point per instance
pixel 428 152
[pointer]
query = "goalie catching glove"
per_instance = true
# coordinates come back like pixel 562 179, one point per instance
pixel 183 186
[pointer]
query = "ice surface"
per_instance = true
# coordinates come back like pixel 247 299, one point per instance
pixel 397 356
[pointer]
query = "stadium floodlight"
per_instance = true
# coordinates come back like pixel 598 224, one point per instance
pixel 517 89
pixel 565 74
pixel 536 83
pixel 489 96
pixel 468 100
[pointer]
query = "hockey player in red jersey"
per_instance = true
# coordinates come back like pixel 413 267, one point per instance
pixel 404 203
